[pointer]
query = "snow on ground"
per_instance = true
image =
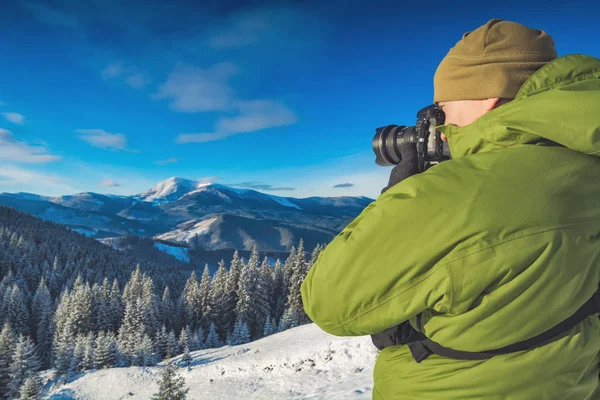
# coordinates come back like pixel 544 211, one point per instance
pixel 300 363
pixel 186 234
pixel 180 253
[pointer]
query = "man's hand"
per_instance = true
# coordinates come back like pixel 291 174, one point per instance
pixel 407 167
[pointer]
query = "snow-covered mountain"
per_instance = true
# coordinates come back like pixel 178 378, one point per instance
pixel 213 215
pixel 300 363
pixel 170 189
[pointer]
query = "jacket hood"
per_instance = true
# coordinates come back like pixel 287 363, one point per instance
pixel 558 105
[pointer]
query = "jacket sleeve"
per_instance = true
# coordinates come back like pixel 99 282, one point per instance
pixel 383 268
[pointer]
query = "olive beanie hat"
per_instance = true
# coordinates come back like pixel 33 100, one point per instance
pixel 494 60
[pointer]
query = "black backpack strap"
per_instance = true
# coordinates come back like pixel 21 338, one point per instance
pixel 422 347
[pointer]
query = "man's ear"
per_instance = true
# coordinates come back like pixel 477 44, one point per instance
pixel 490 104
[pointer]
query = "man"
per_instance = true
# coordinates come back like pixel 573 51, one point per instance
pixel 494 247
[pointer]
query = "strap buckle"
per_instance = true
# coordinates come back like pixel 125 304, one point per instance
pixel 419 351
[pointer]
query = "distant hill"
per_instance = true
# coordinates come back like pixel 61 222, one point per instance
pixel 211 216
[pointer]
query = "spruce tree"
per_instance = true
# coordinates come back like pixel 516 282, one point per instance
pixel 172 344
pixel 31 389
pixel 131 332
pixel 160 342
pixel 279 292
pixel 240 333
pixel 186 358
pixel 171 386
pixel 206 304
pixel 16 312
pixel 218 299
pixel 116 306
pixel 105 351
pixel 246 308
pixel 294 306
pixel 42 314
pixel 231 291
pixel 25 363
pixel 264 293
pixel 167 308
pixel 212 340
pixel 7 341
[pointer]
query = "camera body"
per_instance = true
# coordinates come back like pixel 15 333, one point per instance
pixel 431 149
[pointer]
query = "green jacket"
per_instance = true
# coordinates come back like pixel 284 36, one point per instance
pixel 495 246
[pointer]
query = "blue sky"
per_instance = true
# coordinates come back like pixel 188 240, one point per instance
pixel 112 97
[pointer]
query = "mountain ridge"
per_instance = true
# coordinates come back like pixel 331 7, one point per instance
pixel 175 206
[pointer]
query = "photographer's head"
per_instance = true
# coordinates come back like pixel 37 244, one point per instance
pixel 486 68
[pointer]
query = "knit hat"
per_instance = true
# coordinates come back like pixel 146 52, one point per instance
pixel 494 60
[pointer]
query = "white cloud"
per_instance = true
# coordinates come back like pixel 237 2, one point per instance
pixel 257 115
pixel 14 150
pixel 193 89
pixel 137 80
pixel 104 140
pixel 171 160
pixel 19 179
pixel 113 70
pixel 130 74
pixel 109 183
pixel 200 137
pixel 14 118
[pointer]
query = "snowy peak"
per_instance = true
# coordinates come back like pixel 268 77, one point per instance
pixel 171 189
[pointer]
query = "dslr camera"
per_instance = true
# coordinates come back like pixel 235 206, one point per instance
pixel 431 149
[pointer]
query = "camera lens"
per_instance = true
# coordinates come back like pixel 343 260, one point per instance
pixel 387 141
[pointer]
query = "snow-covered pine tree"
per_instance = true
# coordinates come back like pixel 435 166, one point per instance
pixel 42 314
pixel 287 320
pixel 186 357
pixel 246 308
pixel 231 291
pixel 16 312
pixel 197 340
pixel 171 385
pixel 80 315
pixel 31 389
pixel 218 296
pixel 131 331
pixel 315 254
pixel 270 326
pixel 191 302
pixel 105 351
pixel 25 363
pixel 279 291
pixel 167 308
pixel 205 299
pixel 63 347
pixel 87 361
pixel 264 293
pixel 76 364
pixel 160 343
pixel 294 306
pixel 145 353
pixel 240 333
pixel 212 340
pixel 151 307
pixel 116 306
pixel 172 344
pixel 104 311
pixel 184 337
pixel 7 342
